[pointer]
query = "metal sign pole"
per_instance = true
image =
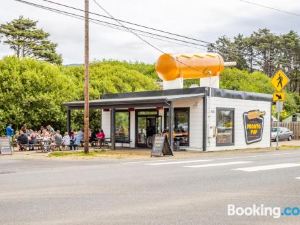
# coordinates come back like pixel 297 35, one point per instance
pixel 277 137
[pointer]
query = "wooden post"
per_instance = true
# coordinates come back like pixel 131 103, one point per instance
pixel 86 76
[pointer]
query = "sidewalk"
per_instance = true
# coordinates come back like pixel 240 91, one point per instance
pixel 139 153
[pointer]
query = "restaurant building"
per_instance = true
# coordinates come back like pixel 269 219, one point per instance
pixel 203 118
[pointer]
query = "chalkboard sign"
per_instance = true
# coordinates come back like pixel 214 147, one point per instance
pixel 253 125
pixel 5 146
pixel 161 146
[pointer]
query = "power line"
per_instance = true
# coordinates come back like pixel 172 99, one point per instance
pixel 141 32
pixel 131 31
pixel 127 22
pixel 145 41
pixel 103 22
pixel 112 25
pixel 269 7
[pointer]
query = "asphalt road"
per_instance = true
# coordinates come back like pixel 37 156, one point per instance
pixel 160 191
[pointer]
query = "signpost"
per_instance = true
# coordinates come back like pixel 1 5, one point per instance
pixel 279 81
pixel 161 146
pixel 5 146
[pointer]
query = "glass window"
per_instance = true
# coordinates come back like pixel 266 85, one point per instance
pixel 225 126
pixel 122 126
pixel 181 125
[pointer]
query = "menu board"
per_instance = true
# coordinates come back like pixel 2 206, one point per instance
pixel 5 146
pixel 161 146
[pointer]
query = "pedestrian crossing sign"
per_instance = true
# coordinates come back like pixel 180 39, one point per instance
pixel 279 80
pixel 279 96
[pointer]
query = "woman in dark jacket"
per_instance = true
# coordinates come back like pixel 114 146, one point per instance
pixel 22 140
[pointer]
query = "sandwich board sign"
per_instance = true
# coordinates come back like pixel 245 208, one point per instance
pixel 5 146
pixel 161 146
pixel 253 126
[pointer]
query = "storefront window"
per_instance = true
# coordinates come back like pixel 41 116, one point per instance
pixel 122 126
pixel 181 125
pixel 225 126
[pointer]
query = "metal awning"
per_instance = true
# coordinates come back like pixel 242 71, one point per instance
pixel 153 101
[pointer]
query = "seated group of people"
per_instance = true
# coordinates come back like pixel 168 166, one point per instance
pixel 50 139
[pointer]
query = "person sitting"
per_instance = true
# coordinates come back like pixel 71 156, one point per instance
pixel 66 140
pixel 78 138
pixel 93 138
pixel 57 140
pixel 32 139
pixel 101 137
pixel 22 140
pixel 72 141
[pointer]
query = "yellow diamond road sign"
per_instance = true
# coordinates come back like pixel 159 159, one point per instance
pixel 279 80
pixel 278 96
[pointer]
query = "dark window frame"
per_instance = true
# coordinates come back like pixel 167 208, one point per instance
pixel 233 125
pixel 184 109
pixel 129 136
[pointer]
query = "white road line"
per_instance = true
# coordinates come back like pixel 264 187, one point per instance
pixel 145 161
pixel 268 167
pixel 218 164
pixel 298 178
pixel 178 162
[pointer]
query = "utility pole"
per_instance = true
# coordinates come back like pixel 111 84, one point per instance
pixel 86 76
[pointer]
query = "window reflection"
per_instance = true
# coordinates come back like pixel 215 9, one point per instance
pixel 181 125
pixel 122 126
pixel 225 126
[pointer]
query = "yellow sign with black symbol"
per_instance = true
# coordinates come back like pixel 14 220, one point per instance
pixel 279 96
pixel 279 80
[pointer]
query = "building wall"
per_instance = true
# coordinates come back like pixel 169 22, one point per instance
pixel 106 123
pixel 196 121
pixel 240 106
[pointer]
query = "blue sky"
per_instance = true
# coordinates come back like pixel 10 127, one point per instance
pixel 206 20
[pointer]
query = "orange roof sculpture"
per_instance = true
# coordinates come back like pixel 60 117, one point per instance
pixel 189 66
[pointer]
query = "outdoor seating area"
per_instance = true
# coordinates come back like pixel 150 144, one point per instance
pixel 46 139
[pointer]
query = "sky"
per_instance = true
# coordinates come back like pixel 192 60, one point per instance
pixel 205 20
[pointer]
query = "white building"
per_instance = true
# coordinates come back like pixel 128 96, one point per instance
pixel 203 118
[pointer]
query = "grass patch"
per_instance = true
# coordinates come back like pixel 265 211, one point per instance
pixel 101 154
pixel 288 147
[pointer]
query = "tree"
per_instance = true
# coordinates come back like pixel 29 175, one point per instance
pixel 27 40
pixel 264 51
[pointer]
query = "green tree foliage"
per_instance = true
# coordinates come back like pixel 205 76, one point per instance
pixel 242 80
pixel 264 51
pixel 33 92
pixel 23 36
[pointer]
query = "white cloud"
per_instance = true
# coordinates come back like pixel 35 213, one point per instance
pixel 201 19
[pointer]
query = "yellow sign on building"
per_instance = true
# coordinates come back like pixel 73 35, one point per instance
pixel 279 96
pixel 279 80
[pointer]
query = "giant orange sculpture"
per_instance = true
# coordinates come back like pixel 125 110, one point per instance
pixel 189 66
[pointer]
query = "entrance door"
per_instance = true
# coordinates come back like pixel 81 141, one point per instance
pixel 147 127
